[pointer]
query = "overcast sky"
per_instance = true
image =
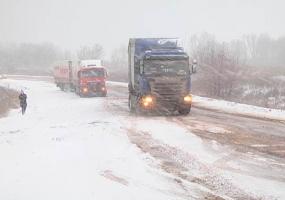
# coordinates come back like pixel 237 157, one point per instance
pixel 71 23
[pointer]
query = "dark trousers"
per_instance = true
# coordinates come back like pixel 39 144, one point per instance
pixel 23 106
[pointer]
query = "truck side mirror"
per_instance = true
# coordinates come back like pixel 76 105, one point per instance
pixel 194 68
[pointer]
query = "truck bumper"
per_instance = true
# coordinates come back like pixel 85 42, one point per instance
pixel 158 105
pixel 92 91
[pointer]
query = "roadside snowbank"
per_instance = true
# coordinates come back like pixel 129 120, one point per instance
pixel 237 108
pixel 122 84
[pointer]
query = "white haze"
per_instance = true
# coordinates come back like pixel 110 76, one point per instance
pixel 71 23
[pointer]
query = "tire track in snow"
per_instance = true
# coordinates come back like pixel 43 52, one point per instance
pixel 241 142
pixel 205 179
pixel 184 166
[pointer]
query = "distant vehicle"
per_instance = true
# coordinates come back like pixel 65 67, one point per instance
pixel 159 76
pixel 85 77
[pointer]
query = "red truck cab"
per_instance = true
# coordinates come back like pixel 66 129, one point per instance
pixel 85 77
pixel 91 81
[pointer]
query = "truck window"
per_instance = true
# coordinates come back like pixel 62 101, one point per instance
pixel 92 73
pixel 166 67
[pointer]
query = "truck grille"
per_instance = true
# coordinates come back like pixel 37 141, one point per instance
pixel 94 86
pixel 167 94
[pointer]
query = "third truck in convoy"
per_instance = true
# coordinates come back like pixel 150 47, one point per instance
pixel 159 75
pixel 85 77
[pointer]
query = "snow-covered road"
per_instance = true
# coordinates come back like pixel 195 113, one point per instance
pixel 67 147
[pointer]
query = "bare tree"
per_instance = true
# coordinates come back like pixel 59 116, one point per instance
pixel 250 43
pixel 28 58
pixel 119 63
pixel 90 52
pixel 219 63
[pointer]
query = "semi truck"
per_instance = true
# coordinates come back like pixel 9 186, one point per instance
pixel 159 74
pixel 85 77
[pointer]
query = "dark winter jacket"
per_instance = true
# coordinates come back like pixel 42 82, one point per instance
pixel 23 99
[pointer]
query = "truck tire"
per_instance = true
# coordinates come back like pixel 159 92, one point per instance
pixel 104 94
pixel 66 87
pixel 78 91
pixel 184 111
pixel 131 104
pixel 60 86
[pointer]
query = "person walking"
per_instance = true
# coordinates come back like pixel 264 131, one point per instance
pixel 23 101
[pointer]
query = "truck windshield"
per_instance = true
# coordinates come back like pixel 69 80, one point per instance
pixel 92 73
pixel 166 67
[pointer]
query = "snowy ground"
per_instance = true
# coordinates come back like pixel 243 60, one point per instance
pixel 242 109
pixel 67 147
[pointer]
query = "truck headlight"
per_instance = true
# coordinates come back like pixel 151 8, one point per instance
pixel 188 98
pixel 147 101
pixel 85 89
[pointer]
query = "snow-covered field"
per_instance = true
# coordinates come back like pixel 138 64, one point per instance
pixel 67 147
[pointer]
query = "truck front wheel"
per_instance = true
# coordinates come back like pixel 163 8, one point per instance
pixel 60 85
pixel 104 94
pixel 184 111
pixel 131 104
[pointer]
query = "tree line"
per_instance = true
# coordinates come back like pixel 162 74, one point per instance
pixel 227 69
pixel 247 70
pixel 252 50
